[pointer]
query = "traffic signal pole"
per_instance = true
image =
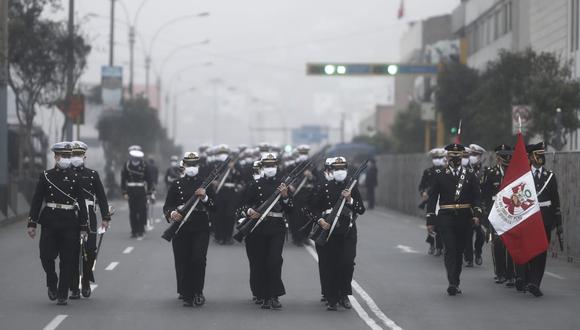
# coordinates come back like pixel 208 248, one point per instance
pixel 3 106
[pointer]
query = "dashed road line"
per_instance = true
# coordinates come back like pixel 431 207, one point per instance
pixel 55 322
pixel 112 265
pixel 555 275
pixel 406 249
pixel 157 220
pixel 128 250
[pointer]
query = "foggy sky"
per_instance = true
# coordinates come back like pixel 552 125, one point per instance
pixel 259 49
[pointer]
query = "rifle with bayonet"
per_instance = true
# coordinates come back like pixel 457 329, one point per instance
pixel 192 202
pixel 320 235
pixel 315 160
pixel 224 177
pixel 247 225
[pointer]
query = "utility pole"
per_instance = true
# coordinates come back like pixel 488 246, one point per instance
pixel 112 35
pixel 147 66
pixel 342 128
pixel 131 58
pixel 70 71
pixel 3 105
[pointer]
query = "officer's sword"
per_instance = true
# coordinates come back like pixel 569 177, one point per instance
pixel 101 231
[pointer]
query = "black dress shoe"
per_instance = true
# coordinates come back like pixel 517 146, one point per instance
pixel 180 296
pixel 52 294
pixel 62 301
pixel 275 303
pixel 431 250
pixel 75 294
pixel 478 260
pixel 187 302
pixel 452 290
pixel 535 290
pixel 267 304
pixel 86 291
pixel 331 307
pixel 520 285
pixel 345 302
pixel 259 301
pixel 438 253
pixel 198 300
pixel 469 264
pixel 500 280
pixel 323 299
pixel 510 283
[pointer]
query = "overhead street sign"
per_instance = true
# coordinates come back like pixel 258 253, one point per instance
pixel 369 69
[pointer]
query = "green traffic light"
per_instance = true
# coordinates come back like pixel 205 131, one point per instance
pixel 453 130
pixel 392 69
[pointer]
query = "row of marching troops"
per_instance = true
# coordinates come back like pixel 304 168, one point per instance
pixel 270 192
pixel 458 194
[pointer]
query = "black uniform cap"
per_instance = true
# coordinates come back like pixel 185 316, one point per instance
pixel 538 148
pixel 455 149
pixel 503 149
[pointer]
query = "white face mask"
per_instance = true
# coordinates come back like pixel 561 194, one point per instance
pixel 302 158
pixel 437 162
pixel 339 175
pixel 464 161
pixel 474 160
pixel 173 164
pixel 222 157
pixel 77 161
pixel 63 163
pixel 328 176
pixel 270 171
pixel 191 170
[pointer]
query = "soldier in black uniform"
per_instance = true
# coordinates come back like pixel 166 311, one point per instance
pixel 191 242
pixel 173 173
pixel 63 219
pixel 475 248
pixel 437 158
pixel 371 182
pixel 94 194
pixel 302 192
pixel 458 192
pixel 137 186
pixel 227 190
pixel 265 244
pixel 532 273
pixel 336 257
pixel 490 186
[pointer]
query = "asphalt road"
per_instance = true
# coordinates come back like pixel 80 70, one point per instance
pixel 397 285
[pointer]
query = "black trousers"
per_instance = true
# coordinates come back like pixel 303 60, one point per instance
pixel 190 253
pixel 265 257
pixel 454 232
pixel 138 212
pixel 90 251
pixel 224 219
pixel 503 263
pixel 62 243
pixel 336 264
pixel 533 271
pixel 371 197
pixel 470 248
pixel 296 220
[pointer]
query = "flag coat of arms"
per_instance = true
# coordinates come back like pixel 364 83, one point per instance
pixel 515 214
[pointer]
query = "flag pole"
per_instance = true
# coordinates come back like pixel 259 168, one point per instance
pixel 520 124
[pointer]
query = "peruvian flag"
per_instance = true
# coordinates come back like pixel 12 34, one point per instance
pixel 515 214
pixel 401 11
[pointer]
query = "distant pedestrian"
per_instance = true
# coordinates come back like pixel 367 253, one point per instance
pixel 371 182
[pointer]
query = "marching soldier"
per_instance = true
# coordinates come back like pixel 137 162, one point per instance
pixel 490 186
pixel 227 198
pixel 63 219
pixel 457 190
pixel 336 257
pixel 173 173
pixel 474 248
pixel 94 194
pixel 437 158
pixel 137 186
pixel 547 190
pixel 302 192
pixel 265 244
pixel 191 242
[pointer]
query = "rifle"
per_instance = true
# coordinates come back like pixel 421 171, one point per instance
pixel 560 240
pixel 192 202
pixel 247 225
pixel 312 163
pixel 320 235
pixel 225 176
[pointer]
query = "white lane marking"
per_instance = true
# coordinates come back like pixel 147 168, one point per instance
pixel 128 250
pixel 55 322
pixel 112 265
pixel 355 304
pixel 374 308
pixel 157 220
pixel 406 249
pixel 555 275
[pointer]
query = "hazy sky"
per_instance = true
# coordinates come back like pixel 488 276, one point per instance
pixel 258 50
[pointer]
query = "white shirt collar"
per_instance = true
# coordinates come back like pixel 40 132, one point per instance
pixel 541 169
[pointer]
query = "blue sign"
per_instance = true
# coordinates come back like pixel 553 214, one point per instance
pixel 310 134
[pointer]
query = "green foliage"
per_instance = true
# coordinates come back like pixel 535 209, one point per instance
pixel 484 101
pixel 409 130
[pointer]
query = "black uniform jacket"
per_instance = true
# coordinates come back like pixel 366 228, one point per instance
pixel 490 184
pixel 327 194
pixel 61 188
pixel 92 189
pixel 256 193
pixel 136 174
pixel 548 197
pixel 427 179
pixel 179 192
pixel 444 188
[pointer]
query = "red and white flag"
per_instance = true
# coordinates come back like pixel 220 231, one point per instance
pixel 401 11
pixel 515 214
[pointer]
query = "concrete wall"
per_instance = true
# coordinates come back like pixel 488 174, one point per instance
pixel 399 177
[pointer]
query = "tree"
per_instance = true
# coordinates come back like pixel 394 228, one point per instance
pixel 380 141
pixel 409 130
pixel 38 59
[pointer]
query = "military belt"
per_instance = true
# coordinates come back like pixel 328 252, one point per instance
pixel 455 206
pixel 135 184
pixel 61 206
pixel 276 214
pixel 545 203
pixel 229 185
pixel 89 202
